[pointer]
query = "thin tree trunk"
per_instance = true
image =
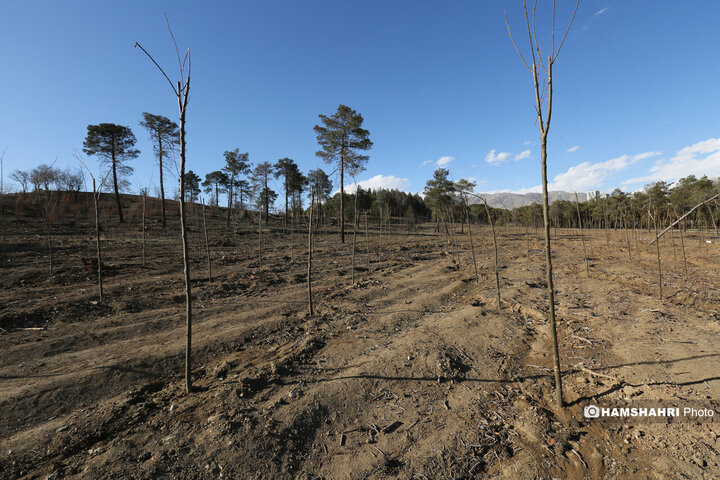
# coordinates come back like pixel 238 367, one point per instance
pixel 367 241
pixel 115 185
pixel 497 267
pixel 260 238
pixel 607 225
pixel 582 236
pixel 657 245
pixel 472 245
pixel 207 244
pixel 143 229
pixel 627 235
pixel 230 199
pixel 309 265
pixel 527 236
pixel 546 220
pixel 48 237
pixel 672 239
pixel 97 244
pixel 162 187
pixel 681 227
pixel 182 101
pixel 4 247
pixel 292 237
pixel 355 221
pixel 342 200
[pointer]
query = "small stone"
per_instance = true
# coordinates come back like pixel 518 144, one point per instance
pixel 293 394
pixel 61 428
pixel 173 407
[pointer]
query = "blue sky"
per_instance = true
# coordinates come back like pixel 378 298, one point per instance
pixel 636 96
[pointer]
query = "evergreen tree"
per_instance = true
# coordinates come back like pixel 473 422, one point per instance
pixel 236 163
pixel 342 138
pixel 114 144
pixel 164 134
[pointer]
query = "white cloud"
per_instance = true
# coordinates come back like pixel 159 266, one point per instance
pixel 444 160
pixel 643 156
pixel 439 162
pixel 587 176
pixel 389 182
pixel 702 158
pixel 573 149
pixel 523 154
pixel 497 158
pixel 601 11
pixel 527 142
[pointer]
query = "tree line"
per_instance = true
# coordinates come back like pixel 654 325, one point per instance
pixel 244 187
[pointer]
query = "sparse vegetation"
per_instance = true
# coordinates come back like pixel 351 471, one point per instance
pixel 465 339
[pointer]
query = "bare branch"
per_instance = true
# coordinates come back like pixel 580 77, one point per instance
pixel 189 63
pixel 159 67
pixel 679 219
pixel 177 52
pixel 552 52
pixel 530 36
pixel 550 93
pixel 185 58
pixel 77 155
pixel 538 47
pixel 555 54
pixel 514 44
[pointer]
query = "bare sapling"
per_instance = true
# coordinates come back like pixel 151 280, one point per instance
pixel 495 248
pixel 701 236
pixel 453 237
pixel 672 240
pixel 582 235
pixel 181 90
pixel 292 237
pixel 714 221
pixel 472 245
pixel 2 209
pixel 355 223
pixel 681 218
pixel 681 227
pixel 207 243
pixel 260 238
pixel 465 187
pixel 96 199
pixel 367 242
pixel 543 86
pixel 607 224
pixel 310 248
pixel 45 208
pixel 143 226
pixel 627 235
pixel 527 237
pixel 659 264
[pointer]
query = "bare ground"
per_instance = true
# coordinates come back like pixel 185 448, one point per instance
pixel 412 373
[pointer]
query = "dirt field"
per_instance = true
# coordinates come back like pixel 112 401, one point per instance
pixel 413 373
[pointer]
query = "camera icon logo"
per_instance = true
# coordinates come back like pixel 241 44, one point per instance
pixel 591 411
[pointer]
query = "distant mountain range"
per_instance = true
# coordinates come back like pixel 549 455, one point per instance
pixel 511 200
